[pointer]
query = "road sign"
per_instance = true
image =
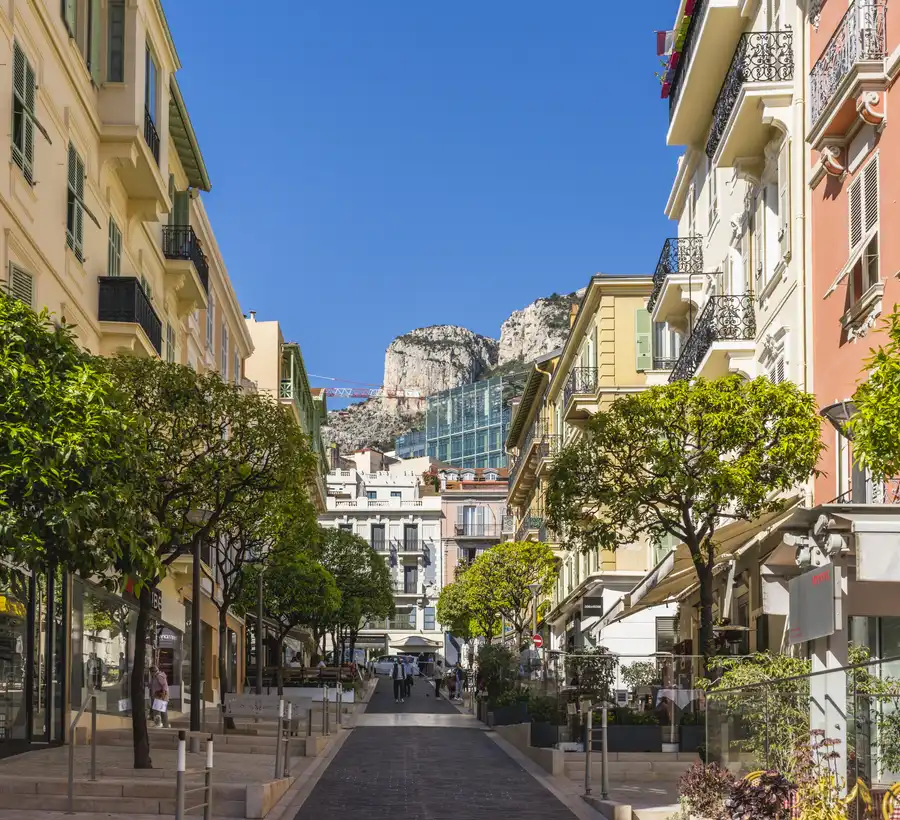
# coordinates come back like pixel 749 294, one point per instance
pixel 538 641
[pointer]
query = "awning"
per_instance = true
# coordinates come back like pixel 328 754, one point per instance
pixel 181 132
pixel 416 643
pixel 675 577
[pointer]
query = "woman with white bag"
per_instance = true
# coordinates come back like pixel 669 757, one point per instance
pixel 159 697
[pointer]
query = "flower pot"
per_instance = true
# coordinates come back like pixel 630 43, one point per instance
pixel 625 738
pixel 544 735
pixel 508 715
pixel 691 736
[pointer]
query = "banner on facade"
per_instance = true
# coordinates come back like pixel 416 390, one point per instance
pixel 812 604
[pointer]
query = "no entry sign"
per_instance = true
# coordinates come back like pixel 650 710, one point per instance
pixel 538 641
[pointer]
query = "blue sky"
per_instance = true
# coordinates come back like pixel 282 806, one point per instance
pixel 379 166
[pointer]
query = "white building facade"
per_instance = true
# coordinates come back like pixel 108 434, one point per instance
pixel 386 503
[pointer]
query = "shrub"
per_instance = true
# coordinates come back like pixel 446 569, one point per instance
pixel 640 673
pixel 543 709
pixel 704 789
pixel 498 669
pixel 766 797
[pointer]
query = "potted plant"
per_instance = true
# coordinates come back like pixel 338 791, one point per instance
pixel 629 730
pixel 544 714
pixel 691 732
pixel 509 707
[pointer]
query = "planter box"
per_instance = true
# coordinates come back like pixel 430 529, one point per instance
pixel 690 737
pixel 544 735
pixel 631 738
pixel 508 715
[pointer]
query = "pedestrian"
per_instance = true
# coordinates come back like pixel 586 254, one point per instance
pixel 451 687
pixel 398 675
pixel 408 668
pixel 159 697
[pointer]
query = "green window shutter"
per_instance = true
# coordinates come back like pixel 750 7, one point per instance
pixel 182 208
pixel 643 334
pixel 115 61
pixel 21 285
pixel 69 16
pixel 96 40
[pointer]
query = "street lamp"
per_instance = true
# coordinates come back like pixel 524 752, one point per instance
pixel 838 414
pixel 199 518
pixel 535 589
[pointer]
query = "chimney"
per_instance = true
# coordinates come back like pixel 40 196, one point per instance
pixel 573 314
pixel 252 315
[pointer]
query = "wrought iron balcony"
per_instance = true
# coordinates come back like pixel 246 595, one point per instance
pixel 679 255
pixel 861 35
pixel 687 51
pixel 151 135
pixel 581 381
pixel 725 318
pixel 180 242
pixel 551 444
pixel 122 299
pixel 760 57
pixel 529 523
pixel 476 530
pixel 535 432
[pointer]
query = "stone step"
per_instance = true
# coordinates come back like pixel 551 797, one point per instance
pixel 112 805
pixel 159 788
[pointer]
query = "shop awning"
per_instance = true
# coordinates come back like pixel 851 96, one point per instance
pixel 675 577
pixel 416 643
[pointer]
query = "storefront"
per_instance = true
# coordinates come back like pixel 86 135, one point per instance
pixel 32 661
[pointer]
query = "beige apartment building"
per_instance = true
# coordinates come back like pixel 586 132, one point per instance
pixel 103 225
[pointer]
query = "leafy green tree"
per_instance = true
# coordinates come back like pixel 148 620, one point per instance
pixel 501 576
pixel 297 591
pixel 67 450
pixel 682 459
pixel 639 673
pixel 207 449
pixel 246 535
pixel 876 425
pixel 365 584
pixel 454 614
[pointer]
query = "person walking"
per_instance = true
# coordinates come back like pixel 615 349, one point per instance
pixel 159 697
pixel 408 669
pixel 398 675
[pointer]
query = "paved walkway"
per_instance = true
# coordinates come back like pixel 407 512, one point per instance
pixel 423 760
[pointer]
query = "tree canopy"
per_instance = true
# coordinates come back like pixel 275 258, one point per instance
pixel 68 454
pixel 683 459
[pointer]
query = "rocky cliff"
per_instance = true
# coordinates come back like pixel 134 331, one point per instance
pixel 436 358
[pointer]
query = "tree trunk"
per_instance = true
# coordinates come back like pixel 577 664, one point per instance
pixel 280 667
pixel 353 633
pixel 335 643
pixel 223 664
pixel 139 732
pixel 343 658
pixel 707 646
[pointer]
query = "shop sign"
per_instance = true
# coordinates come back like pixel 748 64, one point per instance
pixel 812 604
pixel 591 606
pixel 155 595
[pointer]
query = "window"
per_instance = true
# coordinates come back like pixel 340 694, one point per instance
pixel 236 371
pixel 93 40
pixel 210 313
pixel 395 494
pixel 784 200
pixel 70 16
pixel 429 618
pixel 170 343
pixel 776 370
pixel 863 231
pixel 115 62
pixel 147 287
pixel 20 285
pixel 666 346
pixel 75 209
pixel 150 85
pixel 371 495
pixel 692 210
pixel 712 191
pixel 224 352
pixel 24 90
pixel 114 264
pixel 345 527
pixel 759 237
pixel 377 535
pixel 665 634
pixel 410 537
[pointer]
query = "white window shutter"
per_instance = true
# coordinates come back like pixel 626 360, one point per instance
pixel 856 224
pixel 776 371
pixel 759 236
pixel 21 285
pixel 784 198
pixel 870 195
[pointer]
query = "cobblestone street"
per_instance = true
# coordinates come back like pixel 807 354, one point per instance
pixel 400 768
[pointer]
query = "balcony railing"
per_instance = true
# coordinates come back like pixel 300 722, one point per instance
pixel 680 254
pixel 151 135
pixel 551 444
pixel 468 530
pixel 122 299
pixel 861 35
pixel 534 432
pixel 379 545
pixel 410 545
pixel 760 57
pixel 582 380
pixel 871 492
pixel 687 51
pixel 180 242
pixel 725 318
pixel 528 524
pixel 404 588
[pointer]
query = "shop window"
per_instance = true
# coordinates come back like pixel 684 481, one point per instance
pixel 665 634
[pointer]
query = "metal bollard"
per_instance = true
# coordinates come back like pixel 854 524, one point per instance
pixel 179 777
pixel 309 723
pixel 604 760
pixel 279 730
pixel 325 709
pixel 207 808
pixel 588 738
pixel 337 706
pixel 93 738
pixel 287 743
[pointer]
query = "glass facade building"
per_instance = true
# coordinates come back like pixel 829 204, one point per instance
pixel 412 445
pixel 466 426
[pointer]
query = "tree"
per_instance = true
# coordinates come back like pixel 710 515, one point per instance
pixel 639 673
pixel 297 591
pixel 67 450
pixel 454 615
pixel 365 584
pixel 501 576
pixel 681 459
pixel 876 425
pixel 207 448
pixel 246 535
